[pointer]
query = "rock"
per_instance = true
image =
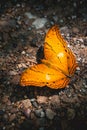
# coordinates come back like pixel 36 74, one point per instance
pixel 41 99
pixel 39 113
pixel 32 99
pixel 12 117
pixel 24 104
pixel 23 52
pixel 27 112
pixel 5 99
pixel 75 30
pixel 14 110
pixel 35 104
pixel 15 80
pixel 73 16
pixel 13 72
pixel 27 103
pixel 50 114
pixel 39 23
pixel 21 65
pixel 64 29
pixel 55 101
pixel 30 16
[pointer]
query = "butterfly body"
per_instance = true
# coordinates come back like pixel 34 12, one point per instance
pixel 57 67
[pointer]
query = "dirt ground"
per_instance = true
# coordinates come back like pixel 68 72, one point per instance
pixel 23 26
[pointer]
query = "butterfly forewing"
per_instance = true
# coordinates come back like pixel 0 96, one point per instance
pixel 71 60
pixel 54 36
pixel 55 48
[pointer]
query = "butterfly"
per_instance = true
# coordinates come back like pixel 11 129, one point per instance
pixel 56 68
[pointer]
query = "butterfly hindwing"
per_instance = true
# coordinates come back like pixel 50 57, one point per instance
pixel 42 75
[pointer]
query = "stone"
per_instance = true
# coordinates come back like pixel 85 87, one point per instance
pixel 50 114
pixel 41 99
pixel 75 30
pixel 24 104
pixel 27 112
pixel 39 113
pixel 39 23
pixel 12 117
pixel 30 16
pixel 55 100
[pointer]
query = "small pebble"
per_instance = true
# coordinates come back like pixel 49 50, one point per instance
pixel 75 30
pixel 22 65
pixel 33 100
pixel 27 112
pixel 13 72
pixel 50 114
pixel 61 21
pixel 41 99
pixel 55 99
pixel 13 110
pixel 35 104
pixel 64 29
pixel 73 16
pixel 27 103
pixel 39 113
pixel 39 23
pixel 13 124
pixel 30 16
pixel 12 117
pixel 23 52
pixel 6 100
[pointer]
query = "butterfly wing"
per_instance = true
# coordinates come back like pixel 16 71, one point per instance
pixel 55 48
pixel 53 37
pixel 57 52
pixel 42 75
pixel 72 65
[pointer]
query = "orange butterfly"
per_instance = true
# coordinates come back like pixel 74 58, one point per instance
pixel 57 67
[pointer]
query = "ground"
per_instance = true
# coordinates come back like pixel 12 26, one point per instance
pixel 23 26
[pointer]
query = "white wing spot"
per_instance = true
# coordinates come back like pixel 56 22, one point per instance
pixel 61 54
pixel 47 77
